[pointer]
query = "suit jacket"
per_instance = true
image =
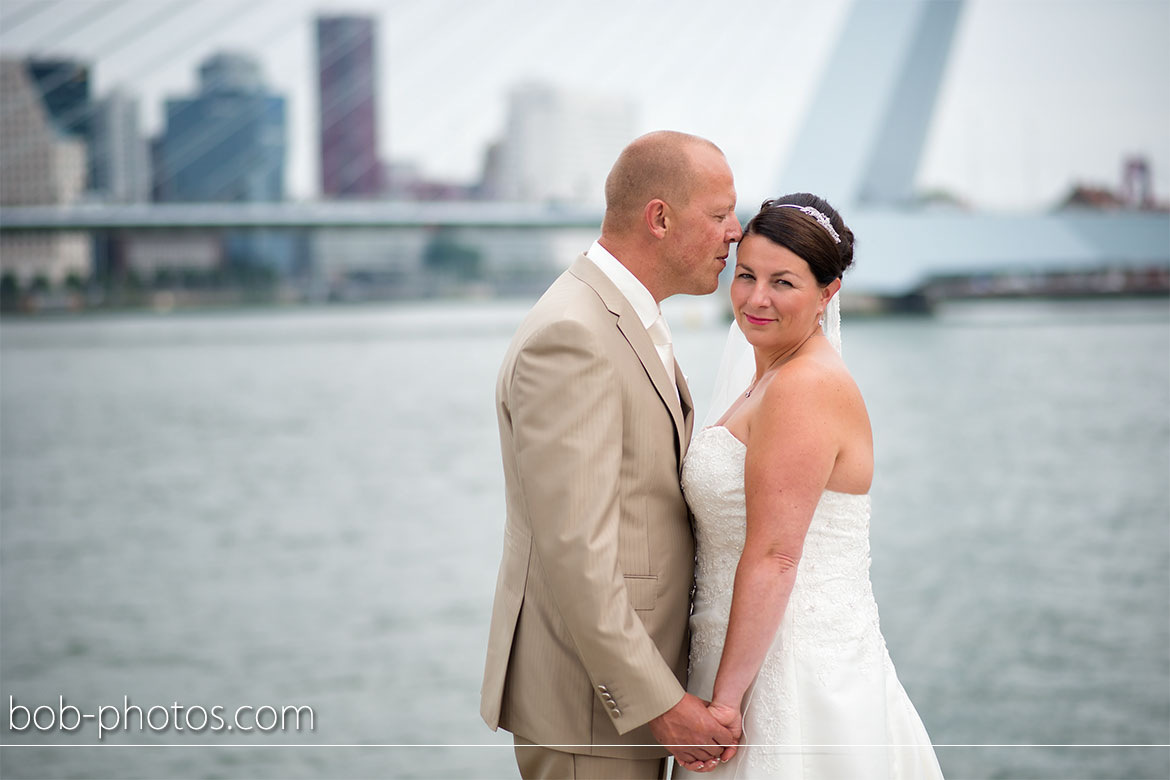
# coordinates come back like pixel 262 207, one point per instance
pixel 589 631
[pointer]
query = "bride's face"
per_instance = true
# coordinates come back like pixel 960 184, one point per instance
pixel 775 297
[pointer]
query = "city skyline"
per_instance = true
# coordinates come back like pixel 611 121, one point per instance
pixel 1037 96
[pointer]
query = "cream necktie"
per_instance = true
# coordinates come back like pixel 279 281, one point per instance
pixel 660 335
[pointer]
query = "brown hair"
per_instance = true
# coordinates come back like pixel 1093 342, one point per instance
pixel 804 236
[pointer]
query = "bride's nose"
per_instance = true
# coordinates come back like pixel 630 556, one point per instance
pixel 759 296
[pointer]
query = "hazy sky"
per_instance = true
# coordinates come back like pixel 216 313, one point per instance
pixel 1038 94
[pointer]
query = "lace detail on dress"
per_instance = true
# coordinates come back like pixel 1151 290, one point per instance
pixel 827 680
pixel 713 485
pixel 832 604
pixel 831 609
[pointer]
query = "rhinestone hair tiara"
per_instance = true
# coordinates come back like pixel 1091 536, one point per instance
pixel 818 216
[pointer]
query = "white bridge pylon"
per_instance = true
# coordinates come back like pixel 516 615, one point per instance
pixel 864 134
pixel 861 145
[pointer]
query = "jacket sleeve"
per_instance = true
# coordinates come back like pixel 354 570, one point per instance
pixel 567 426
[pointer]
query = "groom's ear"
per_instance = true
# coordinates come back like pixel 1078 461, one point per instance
pixel 654 215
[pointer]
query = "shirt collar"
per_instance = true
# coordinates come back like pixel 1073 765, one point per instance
pixel 628 285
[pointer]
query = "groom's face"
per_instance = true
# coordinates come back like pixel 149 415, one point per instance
pixel 704 228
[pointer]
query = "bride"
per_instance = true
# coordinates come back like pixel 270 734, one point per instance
pixel 785 638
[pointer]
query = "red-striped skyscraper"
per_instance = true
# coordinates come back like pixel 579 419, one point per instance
pixel 348 108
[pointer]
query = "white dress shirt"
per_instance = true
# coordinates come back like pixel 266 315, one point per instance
pixel 647 309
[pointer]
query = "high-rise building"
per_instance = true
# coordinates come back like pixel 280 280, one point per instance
pixel 558 146
pixel 348 115
pixel 226 143
pixel 38 166
pixel 120 161
pixel 118 168
pixel 64 88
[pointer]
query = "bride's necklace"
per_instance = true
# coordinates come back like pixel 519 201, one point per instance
pixel 777 364
pixel 767 371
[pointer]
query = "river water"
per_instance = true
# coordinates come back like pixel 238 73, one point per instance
pixel 304 508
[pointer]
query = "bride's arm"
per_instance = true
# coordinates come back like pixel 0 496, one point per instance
pixel 792 446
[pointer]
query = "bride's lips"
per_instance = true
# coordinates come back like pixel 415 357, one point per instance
pixel 756 320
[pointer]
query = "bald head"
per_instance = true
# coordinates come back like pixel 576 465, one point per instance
pixel 660 165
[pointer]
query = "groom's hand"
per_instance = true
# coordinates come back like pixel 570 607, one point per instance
pixel 731 718
pixel 692 734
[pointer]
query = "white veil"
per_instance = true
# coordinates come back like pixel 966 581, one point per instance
pixel 737 368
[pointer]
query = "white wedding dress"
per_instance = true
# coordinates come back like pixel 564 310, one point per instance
pixel 826 703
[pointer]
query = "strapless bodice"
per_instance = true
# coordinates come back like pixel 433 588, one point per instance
pixel 826 702
pixel 832 602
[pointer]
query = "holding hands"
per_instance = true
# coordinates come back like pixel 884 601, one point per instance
pixel 700 736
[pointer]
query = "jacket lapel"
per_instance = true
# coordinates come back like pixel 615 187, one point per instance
pixel 635 333
pixel 688 411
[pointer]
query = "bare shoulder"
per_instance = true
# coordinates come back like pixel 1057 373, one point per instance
pixel 812 384
pixel 815 393
pixel 814 407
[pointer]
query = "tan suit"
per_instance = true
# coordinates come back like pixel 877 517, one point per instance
pixel 589 629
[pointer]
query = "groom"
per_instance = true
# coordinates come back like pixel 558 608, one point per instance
pixel 587 655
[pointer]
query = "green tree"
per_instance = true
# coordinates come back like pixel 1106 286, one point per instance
pixel 9 292
pixel 445 255
pixel 255 280
pixel 75 283
pixel 165 278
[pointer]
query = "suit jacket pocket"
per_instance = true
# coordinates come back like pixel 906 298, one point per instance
pixel 642 590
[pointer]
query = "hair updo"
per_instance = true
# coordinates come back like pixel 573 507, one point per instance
pixel 802 235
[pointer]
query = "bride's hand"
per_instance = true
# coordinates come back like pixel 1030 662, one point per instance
pixel 699 766
pixel 730 718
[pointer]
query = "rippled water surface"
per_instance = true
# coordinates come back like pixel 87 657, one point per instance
pixel 305 508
